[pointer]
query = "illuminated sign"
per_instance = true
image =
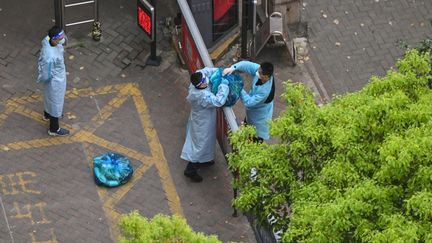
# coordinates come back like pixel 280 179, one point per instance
pixel 145 17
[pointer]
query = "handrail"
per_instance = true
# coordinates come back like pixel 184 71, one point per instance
pixel 78 3
pixel 204 54
pixel 193 28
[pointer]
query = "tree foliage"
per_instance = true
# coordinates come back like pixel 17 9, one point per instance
pixel 160 229
pixel 356 169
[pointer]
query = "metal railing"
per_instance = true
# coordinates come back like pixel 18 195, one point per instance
pixel 61 6
pixel 229 117
pixel 226 119
pixel 60 9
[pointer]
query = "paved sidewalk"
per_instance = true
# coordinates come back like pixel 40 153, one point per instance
pixel 113 103
pixel 350 40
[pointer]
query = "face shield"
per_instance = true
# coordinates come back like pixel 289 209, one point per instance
pixel 204 80
pixel 60 35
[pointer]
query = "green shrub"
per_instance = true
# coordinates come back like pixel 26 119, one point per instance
pixel 356 169
pixel 162 228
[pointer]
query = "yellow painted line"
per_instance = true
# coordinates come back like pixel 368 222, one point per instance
pixel 86 92
pixel 157 152
pixel 85 136
pixel 5 115
pixel 36 143
pixel 110 201
pixel 35 115
pixel 74 93
pixel 110 212
pixel 223 47
pixel 106 112
pixel 26 99
pixel 115 198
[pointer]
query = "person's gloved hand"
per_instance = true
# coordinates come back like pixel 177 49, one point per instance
pixel 224 81
pixel 227 71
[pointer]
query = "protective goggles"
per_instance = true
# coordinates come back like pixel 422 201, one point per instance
pixel 58 35
pixel 203 80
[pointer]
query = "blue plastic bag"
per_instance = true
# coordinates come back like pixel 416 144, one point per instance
pixel 112 169
pixel 235 84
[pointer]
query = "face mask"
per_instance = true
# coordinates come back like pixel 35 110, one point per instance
pixel 258 75
pixel 62 42
pixel 204 80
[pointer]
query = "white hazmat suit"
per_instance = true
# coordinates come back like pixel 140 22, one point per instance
pixel 201 128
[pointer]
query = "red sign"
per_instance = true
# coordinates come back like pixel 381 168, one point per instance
pixel 190 51
pixel 221 7
pixel 145 17
pixel 144 21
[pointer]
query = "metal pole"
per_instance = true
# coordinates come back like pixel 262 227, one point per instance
pixel 196 35
pixel 153 59
pixel 205 57
pixel 244 28
pixel 254 27
pixel 96 10
pixel 97 29
pixel 58 13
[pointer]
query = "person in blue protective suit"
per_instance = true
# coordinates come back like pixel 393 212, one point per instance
pixel 52 73
pixel 201 128
pixel 259 100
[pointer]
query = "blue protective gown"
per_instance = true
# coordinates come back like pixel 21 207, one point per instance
pixel 52 73
pixel 258 113
pixel 201 128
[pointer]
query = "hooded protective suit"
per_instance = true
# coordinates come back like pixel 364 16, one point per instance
pixel 258 113
pixel 201 128
pixel 52 73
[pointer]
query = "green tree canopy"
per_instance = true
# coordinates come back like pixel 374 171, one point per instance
pixel 356 169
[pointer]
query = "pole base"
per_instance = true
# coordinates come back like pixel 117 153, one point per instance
pixel 155 61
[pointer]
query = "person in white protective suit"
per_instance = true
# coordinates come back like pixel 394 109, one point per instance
pixel 259 100
pixel 52 73
pixel 201 128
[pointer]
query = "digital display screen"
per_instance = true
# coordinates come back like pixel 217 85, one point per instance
pixel 225 17
pixel 145 14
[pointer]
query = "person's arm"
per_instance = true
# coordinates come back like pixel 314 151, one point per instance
pixel 243 66
pixel 45 70
pixel 219 99
pixel 252 100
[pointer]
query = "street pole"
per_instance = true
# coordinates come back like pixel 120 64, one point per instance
pixel 244 29
pixel 153 59
pixel 58 13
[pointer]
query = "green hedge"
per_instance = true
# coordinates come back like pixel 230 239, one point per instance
pixel 356 169
pixel 160 229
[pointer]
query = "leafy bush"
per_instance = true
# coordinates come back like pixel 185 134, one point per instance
pixel 356 169
pixel 162 228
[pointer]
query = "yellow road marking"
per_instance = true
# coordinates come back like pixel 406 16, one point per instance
pixel 157 152
pixel 91 138
pixel 5 114
pixel 38 143
pixel 86 137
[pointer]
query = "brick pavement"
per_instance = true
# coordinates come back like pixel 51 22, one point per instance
pixel 64 203
pixel 367 31
pixel 64 209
